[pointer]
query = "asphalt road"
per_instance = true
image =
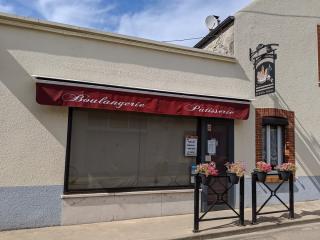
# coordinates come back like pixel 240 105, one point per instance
pixel 301 232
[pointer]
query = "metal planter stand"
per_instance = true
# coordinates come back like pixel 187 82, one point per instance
pixel 220 199
pixel 273 193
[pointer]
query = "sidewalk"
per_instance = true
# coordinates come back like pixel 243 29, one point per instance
pixel 173 227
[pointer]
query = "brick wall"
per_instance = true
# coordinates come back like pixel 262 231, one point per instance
pixel 289 135
pixel 289 131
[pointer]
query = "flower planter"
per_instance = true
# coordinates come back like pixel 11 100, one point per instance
pixel 261 176
pixel 205 180
pixel 284 175
pixel 233 178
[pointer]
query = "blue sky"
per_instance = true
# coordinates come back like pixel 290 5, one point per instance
pixel 160 20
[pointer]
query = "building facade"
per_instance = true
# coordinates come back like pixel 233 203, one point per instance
pixel 94 126
pixel 102 127
pixel 294 26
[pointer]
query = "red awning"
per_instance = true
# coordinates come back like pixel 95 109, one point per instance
pixel 117 100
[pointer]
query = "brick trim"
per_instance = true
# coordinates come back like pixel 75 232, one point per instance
pixel 289 135
pixel 289 131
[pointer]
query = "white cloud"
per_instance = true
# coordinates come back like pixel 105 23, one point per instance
pixel 6 8
pixel 158 20
pixel 86 13
pixel 176 19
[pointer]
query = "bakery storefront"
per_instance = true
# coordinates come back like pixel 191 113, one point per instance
pixel 109 127
pixel 124 139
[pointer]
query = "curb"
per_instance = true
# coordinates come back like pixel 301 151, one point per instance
pixel 251 229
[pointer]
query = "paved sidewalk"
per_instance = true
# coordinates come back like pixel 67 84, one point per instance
pixel 173 227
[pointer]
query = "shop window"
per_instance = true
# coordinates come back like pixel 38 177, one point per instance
pixel 121 151
pixel 273 144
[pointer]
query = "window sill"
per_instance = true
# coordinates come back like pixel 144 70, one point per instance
pixel 272 179
pixel 91 195
pixel 276 179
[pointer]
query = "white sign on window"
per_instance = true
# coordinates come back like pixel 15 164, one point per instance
pixel 191 143
pixel 212 146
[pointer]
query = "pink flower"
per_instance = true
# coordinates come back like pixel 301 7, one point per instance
pixel 263 167
pixel 291 167
pixel 208 169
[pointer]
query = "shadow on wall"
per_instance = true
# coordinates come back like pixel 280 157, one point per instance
pixel 307 147
pixel 22 86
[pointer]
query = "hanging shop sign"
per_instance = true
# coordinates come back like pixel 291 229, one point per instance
pixel 84 97
pixel 191 144
pixel 265 82
pixel 263 59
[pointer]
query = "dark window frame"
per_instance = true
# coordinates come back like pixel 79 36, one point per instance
pixel 275 122
pixel 113 190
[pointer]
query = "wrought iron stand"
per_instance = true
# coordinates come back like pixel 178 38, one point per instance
pixel 220 199
pixel 273 193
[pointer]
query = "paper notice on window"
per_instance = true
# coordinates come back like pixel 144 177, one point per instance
pixel 212 146
pixel 191 143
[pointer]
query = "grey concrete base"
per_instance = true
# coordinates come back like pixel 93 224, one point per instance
pixel 173 227
pixel 94 208
pixel 30 207
pixel 119 206
pixel 39 206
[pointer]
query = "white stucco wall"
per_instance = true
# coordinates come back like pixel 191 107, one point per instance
pixel 33 137
pixel 293 25
pixel 223 43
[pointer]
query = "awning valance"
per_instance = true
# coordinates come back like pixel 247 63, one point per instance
pixel 90 96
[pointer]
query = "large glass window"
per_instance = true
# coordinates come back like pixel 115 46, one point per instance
pixel 116 150
pixel 273 144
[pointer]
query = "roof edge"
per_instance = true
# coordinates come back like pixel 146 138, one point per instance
pixel 64 29
pixel 214 33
